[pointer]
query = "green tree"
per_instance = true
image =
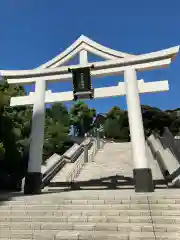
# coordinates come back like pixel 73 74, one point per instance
pixel 57 127
pixel 155 119
pixel 2 151
pixel 82 118
pixel 11 122
pixel 116 125
pixel 175 126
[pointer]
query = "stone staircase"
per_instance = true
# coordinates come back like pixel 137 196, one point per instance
pixel 98 213
pixel 114 161
pixel 92 214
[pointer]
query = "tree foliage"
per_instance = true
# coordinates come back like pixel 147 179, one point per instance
pixel 82 118
pixel 116 124
pixel 57 126
pixel 155 119
pixel 15 132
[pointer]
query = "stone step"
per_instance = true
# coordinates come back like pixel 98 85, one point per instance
pixel 93 207
pixel 94 199
pixel 87 235
pixel 93 219
pixel 120 197
pixel 58 213
pixel 105 194
pixel 28 228
pixel 29 234
pixel 82 235
pixel 140 200
pixel 82 226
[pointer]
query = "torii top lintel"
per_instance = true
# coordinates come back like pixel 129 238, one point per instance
pixel 84 43
pixel 115 63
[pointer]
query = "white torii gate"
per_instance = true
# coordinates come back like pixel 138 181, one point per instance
pixel 116 63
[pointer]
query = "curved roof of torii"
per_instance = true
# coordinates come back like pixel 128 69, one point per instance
pixel 84 43
pixel 116 61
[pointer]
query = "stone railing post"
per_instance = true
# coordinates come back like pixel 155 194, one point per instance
pixel 86 153
pixel 98 139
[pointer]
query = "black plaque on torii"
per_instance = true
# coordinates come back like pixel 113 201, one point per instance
pixel 82 85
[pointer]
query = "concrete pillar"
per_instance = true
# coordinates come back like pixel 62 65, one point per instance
pixel 34 176
pixel 142 173
pixel 98 139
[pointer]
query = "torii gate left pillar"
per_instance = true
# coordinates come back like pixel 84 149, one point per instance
pixel 33 179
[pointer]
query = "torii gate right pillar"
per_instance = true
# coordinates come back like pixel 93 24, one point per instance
pixel 142 173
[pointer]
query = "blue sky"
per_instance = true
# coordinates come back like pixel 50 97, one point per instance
pixel 34 31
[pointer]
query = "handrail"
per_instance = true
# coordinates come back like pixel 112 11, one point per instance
pixel 44 173
pixel 76 170
pixel 54 170
pixel 72 151
pixel 169 177
pixel 167 141
pixel 62 161
pixel 157 155
pixel 75 155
